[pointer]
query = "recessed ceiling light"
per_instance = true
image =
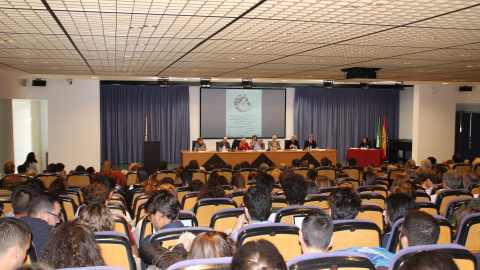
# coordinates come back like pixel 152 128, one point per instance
pixel 94 77
pixel 469 66
pixel 233 58
pixel 248 48
pixel 444 83
pixel 149 25
pixel 406 63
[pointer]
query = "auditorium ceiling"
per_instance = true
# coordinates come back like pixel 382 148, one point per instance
pixel 410 40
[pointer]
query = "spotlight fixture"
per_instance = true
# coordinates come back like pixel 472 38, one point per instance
pixel 247 83
pixel 205 82
pixel 163 82
pixel 328 84
pixel 69 81
pixel 365 86
pixel 399 85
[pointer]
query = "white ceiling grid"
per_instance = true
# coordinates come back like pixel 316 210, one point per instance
pixel 281 39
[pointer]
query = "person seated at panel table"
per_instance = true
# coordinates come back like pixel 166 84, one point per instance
pixel 200 145
pixel 257 144
pixel 224 144
pixel 365 143
pixel 310 143
pixel 243 145
pixel 274 144
pixel 292 143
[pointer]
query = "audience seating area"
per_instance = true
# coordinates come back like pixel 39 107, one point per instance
pixel 221 214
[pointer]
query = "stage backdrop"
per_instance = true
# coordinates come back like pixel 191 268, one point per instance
pixel 341 117
pixel 128 111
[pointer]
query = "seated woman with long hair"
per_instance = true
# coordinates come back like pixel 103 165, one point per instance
pixel 72 245
pixel 100 219
pixel 206 245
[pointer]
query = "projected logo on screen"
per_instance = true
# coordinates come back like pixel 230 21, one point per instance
pixel 243 112
pixel 243 103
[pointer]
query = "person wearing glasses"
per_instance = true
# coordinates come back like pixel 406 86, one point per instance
pixel 163 211
pixel 43 216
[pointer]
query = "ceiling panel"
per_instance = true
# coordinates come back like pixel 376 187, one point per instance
pixel 283 39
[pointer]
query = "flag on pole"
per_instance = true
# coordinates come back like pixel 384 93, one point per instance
pixel 384 140
pixel 379 134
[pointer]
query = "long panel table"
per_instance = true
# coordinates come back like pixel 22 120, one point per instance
pixel 366 157
pixel 272 158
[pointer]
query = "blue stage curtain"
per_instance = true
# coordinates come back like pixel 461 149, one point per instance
pixel 124 110
pixel 341 117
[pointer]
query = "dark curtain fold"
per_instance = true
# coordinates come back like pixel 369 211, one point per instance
pixel 341 117
pixel 126 111
pixel 467 129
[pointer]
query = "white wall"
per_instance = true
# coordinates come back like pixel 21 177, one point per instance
pixel 194 93
pixel 22 130
pixel 406 114
pixel 73 121
pixel 434 119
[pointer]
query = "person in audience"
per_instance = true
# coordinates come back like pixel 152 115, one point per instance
pixel 186 177
pixel 425 165
pixel 192 165
pixel 452 179
pixel 58 186
pixel 15 238
pixel 22 169
pixel 274 145
pixel 167 180
pixel 311 187
pixel 275 173
pixel 206 245
pixel 9 167
pixel 457 158
pixel 325 162
pixel 142 175
pixel 200 145
pixel 397 206
pixel 304 164
pixel 10 182
pixel 344 203
pixel 463 213
pixel 258 254
pixel 243 145
pixel 22 196
pixel 294 189
pixel 310 143
pixel 117 176
pixel 35 266
pixel 419 228
pixel 37 185
pixel 267 181
pixel 238 182
pixel 60 167
pixel 100 219
pixel 369 178
pixel 195 185
pixel 469 178
pixel 252 175
pixel 352 162
pixel 163 211
pixel 91 171
pixel 323 181
pixel 211 190
pixel 168 187
pixel 316 234
pixel 399 178
pixel 292 143
pixel 296 163
pixel 44 214
pixel 432 160
pixel 224 144
pixel 257 144
pixel 364 144
pixel 406 188
pixel 431 178
pixel 263 167
pixel 410 164
pixel 72 245
pixel 257 206
pixel 429 260
pixel 80 168
pixel 31 162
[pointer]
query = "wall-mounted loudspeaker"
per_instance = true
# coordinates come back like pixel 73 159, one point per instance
pixel 465 88
pixel 23 82
pixel 39 82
